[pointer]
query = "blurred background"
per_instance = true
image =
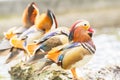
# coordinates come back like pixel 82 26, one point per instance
pixel 103 15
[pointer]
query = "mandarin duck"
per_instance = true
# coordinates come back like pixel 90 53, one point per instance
pixel 52 39
pixel 43 24
pixel 28 18
pixel 77 52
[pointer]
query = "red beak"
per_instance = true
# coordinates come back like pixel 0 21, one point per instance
pixel 91 30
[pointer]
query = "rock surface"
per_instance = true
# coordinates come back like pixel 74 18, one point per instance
pixel 22 71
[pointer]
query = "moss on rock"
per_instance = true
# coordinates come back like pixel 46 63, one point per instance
pixel 22 71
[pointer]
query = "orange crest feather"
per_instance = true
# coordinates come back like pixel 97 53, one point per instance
pixel 17 43
pixel 53 54
pixel 31 48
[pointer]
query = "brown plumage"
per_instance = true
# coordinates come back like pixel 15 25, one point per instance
pixel 52 39
pixel 28 18
pixel 80 49
pixel 30 14
pixel 43 23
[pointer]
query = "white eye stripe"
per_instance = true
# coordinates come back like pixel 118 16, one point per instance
pixel 35 8
pixel 82 24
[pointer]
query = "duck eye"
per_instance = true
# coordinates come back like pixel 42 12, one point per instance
pixel 43 29
pixel 85 24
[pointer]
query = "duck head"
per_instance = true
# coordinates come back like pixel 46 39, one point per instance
pixel 46 21
pixel 29 14
pixel 81 31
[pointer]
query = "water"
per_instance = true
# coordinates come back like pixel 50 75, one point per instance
pixel 4 68
pixel 108 50
pixel 107 53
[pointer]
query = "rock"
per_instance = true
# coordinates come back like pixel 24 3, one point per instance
pixel 107 73
pixel 23 71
